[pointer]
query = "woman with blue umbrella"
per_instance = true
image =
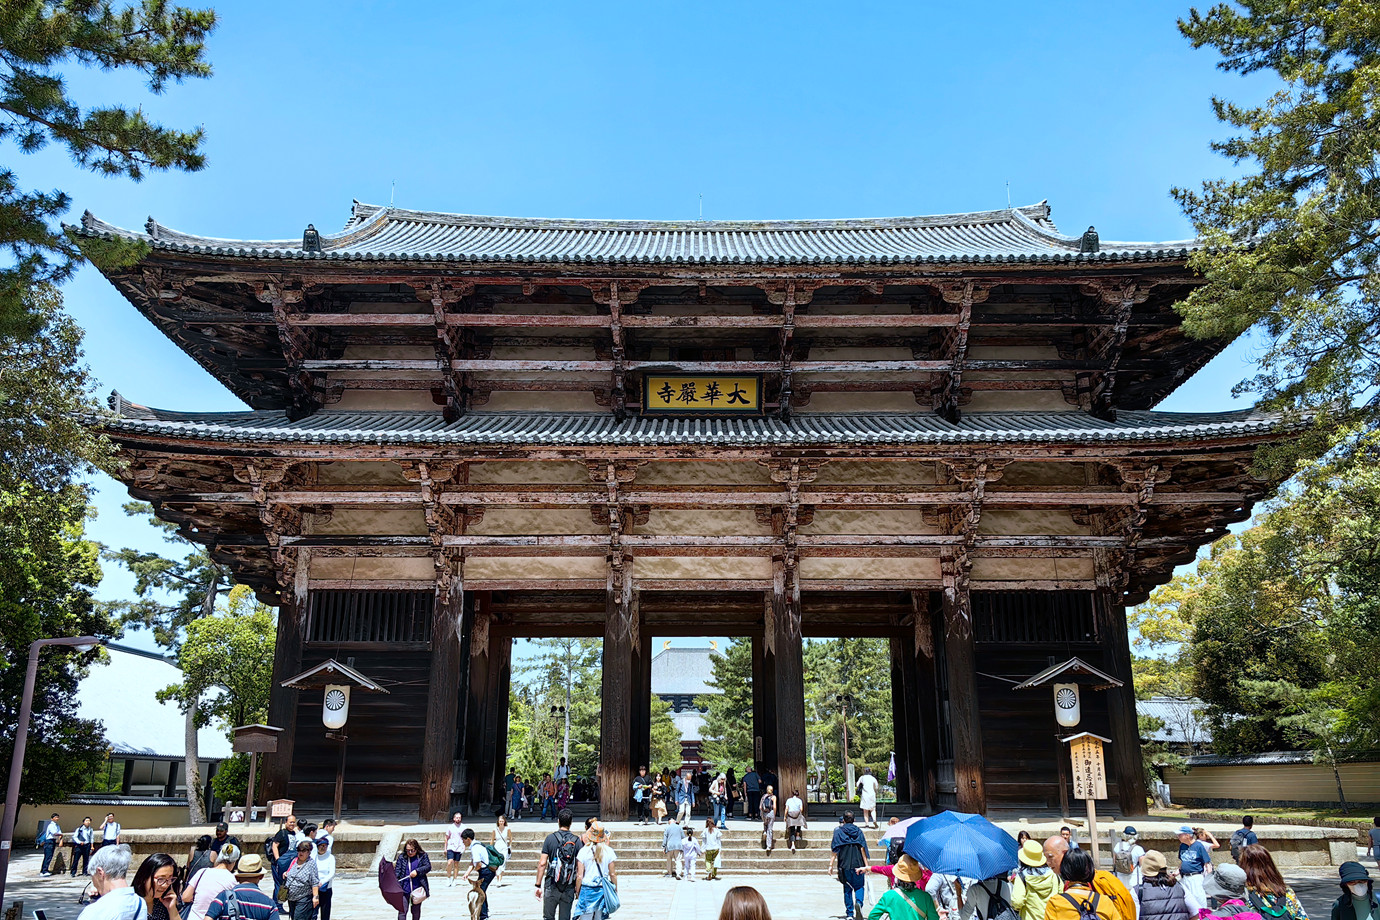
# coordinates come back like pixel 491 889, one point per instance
pixel 969 847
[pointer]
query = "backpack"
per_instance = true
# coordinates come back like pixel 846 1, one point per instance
pixel 1108 885
pixel 496 857
pixel 232 906
pixel 1087 910
pixel 1275 908
pixel 998 908
pixel 1121 859
pixel 561 870
pixel 1238 840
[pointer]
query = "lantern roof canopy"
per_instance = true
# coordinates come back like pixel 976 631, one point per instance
pixel 328 672
pixel 1071 738
pixel 1073 671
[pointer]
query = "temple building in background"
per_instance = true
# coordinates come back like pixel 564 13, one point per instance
pixel 460 430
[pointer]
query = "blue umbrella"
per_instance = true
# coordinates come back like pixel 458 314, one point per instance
pixel 954 843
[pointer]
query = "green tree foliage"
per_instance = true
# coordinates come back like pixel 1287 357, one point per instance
pixel 45 390
pixel 38 39
pixel 1281 625
pixel 170 595
pixel 48 570
pixel 536 735
pixel 1308 202
pixel 230 652
pixel 861 670
pixel 231 782
pixel 727 728
pixel 666 749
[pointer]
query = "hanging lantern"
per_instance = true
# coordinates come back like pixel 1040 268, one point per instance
pixel 336 707
pixel 1067 710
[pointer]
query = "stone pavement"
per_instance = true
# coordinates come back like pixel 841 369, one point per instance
pixel 812 896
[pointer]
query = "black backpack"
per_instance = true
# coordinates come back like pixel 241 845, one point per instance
pixel 998 908
pixel 1087 910
pixel 561 870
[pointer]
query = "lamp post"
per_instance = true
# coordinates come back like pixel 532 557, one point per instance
pixel 21 740
pixel 565 712
pixel 845 700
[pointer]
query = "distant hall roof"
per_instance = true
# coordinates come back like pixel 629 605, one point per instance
pixel 683 671
pixel 374 233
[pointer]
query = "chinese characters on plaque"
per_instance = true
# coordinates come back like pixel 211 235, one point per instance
pixel 701 393
pixel 1089 770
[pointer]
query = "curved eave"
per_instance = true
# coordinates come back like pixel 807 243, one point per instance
pixel 416 429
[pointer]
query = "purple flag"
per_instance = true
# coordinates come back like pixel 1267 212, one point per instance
pixel 891 770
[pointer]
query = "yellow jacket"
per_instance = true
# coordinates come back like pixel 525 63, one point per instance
pixel 1059 907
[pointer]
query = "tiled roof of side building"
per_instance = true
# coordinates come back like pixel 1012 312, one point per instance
pixel 479 429
pixel 373 233
pixel 683 671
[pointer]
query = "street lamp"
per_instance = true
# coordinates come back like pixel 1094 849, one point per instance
pixel 563 711
pixel 845 700
pixel 21 740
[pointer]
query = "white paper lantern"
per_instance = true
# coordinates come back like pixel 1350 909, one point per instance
pixel 336 708
pixel 1066 705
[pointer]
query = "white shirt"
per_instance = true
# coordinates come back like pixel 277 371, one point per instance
pixel 593 877
pixel 53 832
pixel 109 832
pixel 868 785
pixel 713 839
pixel 119 904
pixel 479 855
pixel 325 869
pixel 454 843
pixel 794 806
pixel 82 834
pixel 562 772
pixel 208 883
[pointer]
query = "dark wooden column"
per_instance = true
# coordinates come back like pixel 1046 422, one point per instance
pixel 964 714
pixel 477 769
pixel 764 714
pixel 785 646
pixel 621 637
pixel 642 695
pixel 443 694
pixel 287 662
pixel 900 725
pixel 922 718
pixel 496 725
pixel 1126 764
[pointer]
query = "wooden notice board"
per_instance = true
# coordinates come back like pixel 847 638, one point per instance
pixel 1089 767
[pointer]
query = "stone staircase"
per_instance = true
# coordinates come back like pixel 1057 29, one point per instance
pixel 639 849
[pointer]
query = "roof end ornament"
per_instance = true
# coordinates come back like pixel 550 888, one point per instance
pixel 311 239
pixel 1089 242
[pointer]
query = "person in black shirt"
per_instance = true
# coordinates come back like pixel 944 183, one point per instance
pixel 558 893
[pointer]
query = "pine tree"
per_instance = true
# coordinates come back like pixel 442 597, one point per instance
pixel 1293 247
pixel 728 714
pixel 38 38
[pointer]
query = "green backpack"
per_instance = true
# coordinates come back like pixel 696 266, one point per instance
pixel 496 858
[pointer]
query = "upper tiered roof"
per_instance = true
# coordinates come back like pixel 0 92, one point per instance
pixel 374 233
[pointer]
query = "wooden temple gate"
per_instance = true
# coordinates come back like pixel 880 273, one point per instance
pixel 463 430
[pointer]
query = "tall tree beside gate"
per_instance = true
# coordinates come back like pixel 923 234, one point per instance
pixel 727 722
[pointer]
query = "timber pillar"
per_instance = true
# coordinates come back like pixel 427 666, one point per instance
pixel 622 645
pixel 486 716
pixel 964 713
pixel 784 647
pixel 922 703
pixel 1126 765
pixel 443 695
pixel 287 660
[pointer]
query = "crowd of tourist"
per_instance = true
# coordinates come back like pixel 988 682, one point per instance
pixel 577 876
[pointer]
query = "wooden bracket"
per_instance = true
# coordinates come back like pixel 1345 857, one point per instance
pixel 303 386
pixel 949 393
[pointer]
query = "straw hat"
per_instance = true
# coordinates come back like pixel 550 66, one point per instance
pixel 1032 854
pixel 907 869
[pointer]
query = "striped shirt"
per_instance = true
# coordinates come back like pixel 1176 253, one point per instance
pixel 254 904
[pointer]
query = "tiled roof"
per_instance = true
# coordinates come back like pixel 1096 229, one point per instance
pixel 683 671
pixel 1178 715
pixel 389 234
pixel 483 429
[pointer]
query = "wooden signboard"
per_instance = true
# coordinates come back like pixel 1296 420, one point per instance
pixel 280 808
pixel 1089 778
pixel 1089 767
pixel 702 394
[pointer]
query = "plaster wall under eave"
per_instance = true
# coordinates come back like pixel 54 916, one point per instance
pixel 386 401
pixel 534 568
pixel 901 402
pixel 703 473
pixel 504 472
pixel 854 568
pixel 1027 521
pixel 373 521
pixel 869 521
pixel 703 567
pixel 997 569
pixel 880 472
pixel 373 568
pixel 516 520
pixel 717 523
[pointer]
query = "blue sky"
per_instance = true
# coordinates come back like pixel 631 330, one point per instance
pixel 768 110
